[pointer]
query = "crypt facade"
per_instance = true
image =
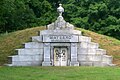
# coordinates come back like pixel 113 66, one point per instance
pixel 60 45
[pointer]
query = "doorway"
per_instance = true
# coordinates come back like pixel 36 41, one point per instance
pixel 60 56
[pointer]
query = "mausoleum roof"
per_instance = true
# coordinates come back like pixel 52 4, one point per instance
pixel 60 23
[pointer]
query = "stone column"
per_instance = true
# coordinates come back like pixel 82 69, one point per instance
pixel 52 55
pixel 74 61
pixel 46 61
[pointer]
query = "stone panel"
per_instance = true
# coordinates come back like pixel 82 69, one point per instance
pixel 47 53
pixel 27 63
pixel 74 57
pixel 86 63
pixel 93 45
pixel 73 51
pixel 84 39
pixel 33 45
pixel 29 51
pixel 60 44
pixel 82 51
pixel 91 51
pixel 97 63
pixel 15 58
pixel 27 58
pixel 89 45
pixel 107 59
pixel 101 51
pixel 60 38
pixel 90 57
pixel 37 39
pixel 82 57
pixel 84 45
pixel 98 57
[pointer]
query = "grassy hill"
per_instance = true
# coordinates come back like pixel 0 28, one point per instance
pixel 59 73
pixel 11 41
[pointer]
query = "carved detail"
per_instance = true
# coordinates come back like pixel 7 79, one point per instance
pixel 73 44
pixel 46 44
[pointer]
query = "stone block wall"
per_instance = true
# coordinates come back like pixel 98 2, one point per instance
pixel 89 53
pixel 82 52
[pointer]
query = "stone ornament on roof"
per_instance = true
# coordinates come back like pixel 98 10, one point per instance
pixel 60 23
pixel 60 9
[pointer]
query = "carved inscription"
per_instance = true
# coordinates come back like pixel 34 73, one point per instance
pixel 61 38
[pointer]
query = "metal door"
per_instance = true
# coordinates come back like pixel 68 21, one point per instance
pixel 60 56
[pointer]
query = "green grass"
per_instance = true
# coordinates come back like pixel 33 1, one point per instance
pixel 59 73
pixel 11 41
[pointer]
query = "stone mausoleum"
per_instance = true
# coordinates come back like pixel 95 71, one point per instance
pixel 61 45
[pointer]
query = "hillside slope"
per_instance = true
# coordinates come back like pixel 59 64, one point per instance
pixel 11 41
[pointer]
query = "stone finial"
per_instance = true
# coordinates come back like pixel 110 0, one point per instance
pixel 60 23
pixel 60 9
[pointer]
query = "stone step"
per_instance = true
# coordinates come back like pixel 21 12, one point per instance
pixel 9 59
pixel 89 45
pixel 107 59
pixel 25 63
pixel 89 57
pixel 33 45
pixel 101 51
pixel 93 57
pixel 95 63
pixel 112 65
pixel 91 51
pixel 84 39
pixel 18 58
pixel 37 39
pixel 8 64
pixel 27 51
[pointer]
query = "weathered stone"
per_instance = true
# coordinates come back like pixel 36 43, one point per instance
pixel 86 63
pixel 46 61
pixel 27 51
pixel 36 45
pixel 84 39
pixel 107 59
pixel 82 57
pixel 60 45
pixel 101 51
pixel 60 38
pixel 37 39
pixel 74 63
pixel 82 51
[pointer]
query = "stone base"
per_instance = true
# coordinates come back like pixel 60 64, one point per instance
pixel 112 64
pixel 46 63
pixel 86 64
pixel 8 65
pixel 74 63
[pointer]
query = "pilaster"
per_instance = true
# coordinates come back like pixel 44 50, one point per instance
pixel 47 61
pixel 74 61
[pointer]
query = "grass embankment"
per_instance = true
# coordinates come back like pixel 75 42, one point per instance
pixel 59 73
pixel 111 45
pixel 11 41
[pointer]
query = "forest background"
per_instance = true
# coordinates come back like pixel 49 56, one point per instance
pixel 101 16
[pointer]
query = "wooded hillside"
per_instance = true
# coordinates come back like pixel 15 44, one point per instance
pixel 101 16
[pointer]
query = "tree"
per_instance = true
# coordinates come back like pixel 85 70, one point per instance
pixel 101 16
